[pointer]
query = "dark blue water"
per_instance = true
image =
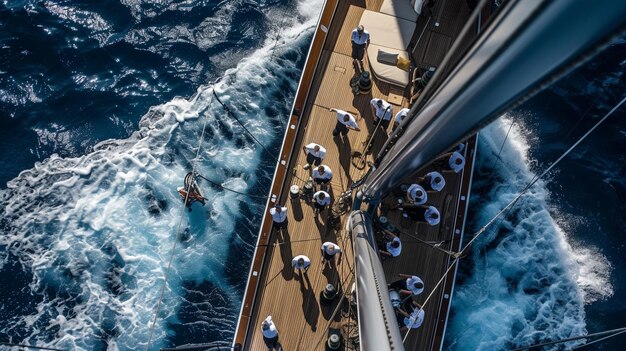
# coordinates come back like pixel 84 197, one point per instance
pixel 561 248
pixel 75 73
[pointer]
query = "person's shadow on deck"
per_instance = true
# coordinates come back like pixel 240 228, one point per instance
pixel 345 160
pixel 296 209
pixel 310 307
pixel 286 254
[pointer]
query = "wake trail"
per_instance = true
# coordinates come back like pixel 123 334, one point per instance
pixel 91 235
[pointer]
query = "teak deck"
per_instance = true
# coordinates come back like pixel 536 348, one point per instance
pixel 273 287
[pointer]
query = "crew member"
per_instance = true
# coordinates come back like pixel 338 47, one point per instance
pixel 381 109
pixel 270 334
pixel 314 154
pixel 330 251
pixel 279 217
pixel 409 285
pixel 432 180
pixel 345 122
pixel 400 117
pixel 301 263
pixel 416 194
pixel 322 175
pixel 392 245
pixel 321 199
pixel 360 40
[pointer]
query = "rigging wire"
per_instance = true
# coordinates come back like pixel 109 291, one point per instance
pixel 435 246
pixel 231 114
pixel 29 346
pixel 601 339
pixel 613 332
pixel 229 189
pixel 178 230
pixel 280 29
pixel 506 208
pixel 502 146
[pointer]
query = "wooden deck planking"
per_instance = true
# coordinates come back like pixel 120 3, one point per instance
pixel 423 260
pixel 342 43
pixel 294 306
pixel 436 41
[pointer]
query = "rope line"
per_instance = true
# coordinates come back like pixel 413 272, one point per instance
pixel 178 231
pixel 433 246
pixel 29 346
pixel 502 146
pixel 601 339
pixel 536 178
pixel 231 114
pixel 613 333
pixel 514 201
pixel 280 29
pixel 229 189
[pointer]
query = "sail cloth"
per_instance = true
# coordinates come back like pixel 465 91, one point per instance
pixel 378 328
pixel 527 45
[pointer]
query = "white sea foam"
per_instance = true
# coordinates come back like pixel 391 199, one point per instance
pixel 528 284
pixel 96 231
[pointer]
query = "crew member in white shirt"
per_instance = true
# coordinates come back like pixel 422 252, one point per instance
pixel 416 194
pixel 322 175
pixel 452 160
pixel 279 217
pixel 432 180
pixel 360 39
pixel 456 162
pixel 329 251
pixel 400 117
pixel 413 320
pixel 392 245
pixel 345 122
pixel 381 109
pixel 420 213
pixel 270 334
pixel 321 199
pixel 301 263
pixel 314 154
pixel 409 285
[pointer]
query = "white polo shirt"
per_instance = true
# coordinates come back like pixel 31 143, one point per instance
pixel 328 173
pixel 321 202
pixel 350 123
pixel 279 217
pixel 296 265
pixel 430 210
pixel 452 162
pixel 400 115
pixel 327 245
pixel 433 183
pixel 383 111
pixel 395 252
pixel 410 284
pixel 360 39
pixel 310 149
pixel 270 332
pixel 417 194
pixel 415 320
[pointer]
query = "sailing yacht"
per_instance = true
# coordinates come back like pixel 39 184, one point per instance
pixel 487 59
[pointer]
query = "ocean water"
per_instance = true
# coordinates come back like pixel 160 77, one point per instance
pixel 88 225
pixel 101 108
pixel 553 266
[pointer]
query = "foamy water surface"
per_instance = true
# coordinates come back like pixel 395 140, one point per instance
pixel 95 232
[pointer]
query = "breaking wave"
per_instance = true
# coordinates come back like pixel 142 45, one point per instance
pixel 528 282
pixel 87 239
